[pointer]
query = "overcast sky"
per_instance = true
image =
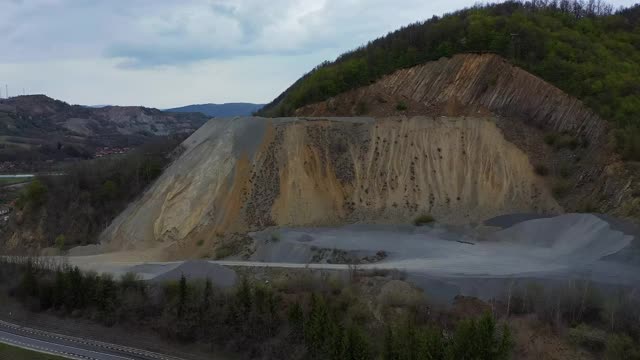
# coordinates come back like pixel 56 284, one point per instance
pixel 165 53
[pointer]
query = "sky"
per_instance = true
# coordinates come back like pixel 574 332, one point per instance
pixel 166 53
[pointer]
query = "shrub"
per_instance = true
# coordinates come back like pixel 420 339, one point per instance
pixel 275 237
pixel 561 141
pixel 588 337
pixel 621 347
pixel 401 106
pixel 480 339
pixel 34 195
pixel 423 219
pixel 60 240
pixel 550 138
pixel 361 108
pixel 560 188
pixel 565 171
pixel 541 169
pixel 566 141
pixel 587 206
pixel 200 242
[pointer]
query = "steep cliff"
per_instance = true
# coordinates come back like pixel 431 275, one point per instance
pixel 249 173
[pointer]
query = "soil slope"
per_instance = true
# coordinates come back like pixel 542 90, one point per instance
pixel 250 173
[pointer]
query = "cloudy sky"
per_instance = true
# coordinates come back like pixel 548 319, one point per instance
pixel 165 53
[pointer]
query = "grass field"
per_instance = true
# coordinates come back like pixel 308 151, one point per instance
pixel 12 352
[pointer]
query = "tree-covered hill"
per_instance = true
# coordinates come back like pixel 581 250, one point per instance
pixel 584 48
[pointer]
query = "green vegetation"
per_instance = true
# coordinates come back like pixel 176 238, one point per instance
pixel 81 203
pixel 584 48
pixel 565 171
pixel 362 108
pixel 401 106
pixel 33 196
pixel 304 317
pixel 541 169
pixel 564 141
pixel 560 188
pixel 604 323
pixel 12 352
pixel 423 219
pixel 60 241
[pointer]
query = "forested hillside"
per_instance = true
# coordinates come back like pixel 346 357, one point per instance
pixel 585 48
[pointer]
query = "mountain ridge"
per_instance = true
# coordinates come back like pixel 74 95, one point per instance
pixel 220 110
pixel 36 127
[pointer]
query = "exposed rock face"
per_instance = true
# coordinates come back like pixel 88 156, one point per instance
pixel 249 173
pixel 590 177
pixel 472 83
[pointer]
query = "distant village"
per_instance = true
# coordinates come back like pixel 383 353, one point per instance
pixel 107 151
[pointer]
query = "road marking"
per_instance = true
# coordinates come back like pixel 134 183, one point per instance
pixel 87 342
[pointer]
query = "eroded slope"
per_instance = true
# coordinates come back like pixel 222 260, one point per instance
pixel 250 173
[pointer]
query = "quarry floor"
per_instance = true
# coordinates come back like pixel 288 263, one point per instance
pixel 444 261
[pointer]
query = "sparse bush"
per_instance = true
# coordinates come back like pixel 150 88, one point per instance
pixel 550 139
pixel 562 141
pixel 565 171
pixel 33 196
pixel 401 106
pixel 566 141
pixel 60 242
pixel 480 339
pixel 621 347
pixel 362 108
pixel 587 206
pixel 200 242
pixel 560 188
pixel 423 219
pixel 275 237
pixel 541 169
pixel 588 337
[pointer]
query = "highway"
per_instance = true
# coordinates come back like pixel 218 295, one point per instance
pixel 71 347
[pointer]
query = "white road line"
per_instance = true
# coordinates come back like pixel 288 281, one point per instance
pixel 40 349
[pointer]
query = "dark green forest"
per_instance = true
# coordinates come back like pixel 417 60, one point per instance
pixel 585 48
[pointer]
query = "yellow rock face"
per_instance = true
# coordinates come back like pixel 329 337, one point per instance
pixel 248 173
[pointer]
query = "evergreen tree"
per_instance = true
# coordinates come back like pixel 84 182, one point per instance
pixel 182 297
pixel 296 323
pixel 355 345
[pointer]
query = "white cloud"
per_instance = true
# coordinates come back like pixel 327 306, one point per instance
pixel 100 81
pixel 141 51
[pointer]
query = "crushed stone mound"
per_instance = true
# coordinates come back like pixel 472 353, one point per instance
pixel 199 270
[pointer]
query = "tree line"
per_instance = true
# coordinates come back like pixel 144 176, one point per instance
pixel 310 317
pixel 585 48
pixel 253 319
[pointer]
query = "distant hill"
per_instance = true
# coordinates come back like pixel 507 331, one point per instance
pixel 37 128
pixel 220 110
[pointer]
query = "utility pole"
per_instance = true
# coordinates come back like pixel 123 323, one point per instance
pixel 6 90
